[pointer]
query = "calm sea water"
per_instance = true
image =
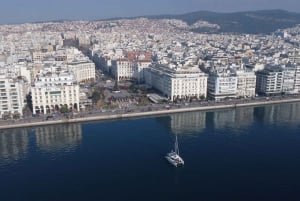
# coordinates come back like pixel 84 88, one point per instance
pixel 242 154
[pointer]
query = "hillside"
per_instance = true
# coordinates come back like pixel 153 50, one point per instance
pixel 252 22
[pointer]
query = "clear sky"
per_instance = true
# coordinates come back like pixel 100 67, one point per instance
pixel 18 11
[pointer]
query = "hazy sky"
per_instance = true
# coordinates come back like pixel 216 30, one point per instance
pixel 16 11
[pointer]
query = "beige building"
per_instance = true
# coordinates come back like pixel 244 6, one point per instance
pixel 122 69
pixel 83 70
pixel 131 65
pixel 246 82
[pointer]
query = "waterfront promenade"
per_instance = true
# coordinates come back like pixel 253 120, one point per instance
pixel 139 112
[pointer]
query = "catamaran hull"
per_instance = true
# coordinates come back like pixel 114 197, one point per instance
pixel 173 162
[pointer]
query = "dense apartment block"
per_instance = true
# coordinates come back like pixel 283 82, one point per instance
pixel 222 85
pixel 246 82
pixel 125 49
pixel 11 98
pixel 288 79
pixel 297 77
pixel 270 80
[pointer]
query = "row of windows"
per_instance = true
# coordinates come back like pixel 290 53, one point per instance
pixel 56 101
pixel 55 97
pixel 13 101
pixel 12 86
pixel 227 84
pixel 188 94
pixel 59 79
pixel 46 93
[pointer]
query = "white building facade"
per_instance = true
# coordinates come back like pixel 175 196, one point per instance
pixel 122 69
pixel 83 70
pixel 289 75
pixel 139 70
pixel 180 83
pixel 222 85
pixel 297 78
pixel 11 98
pixel 51 92
pixel 246 83
pixel 269 81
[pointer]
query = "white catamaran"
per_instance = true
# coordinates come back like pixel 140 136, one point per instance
pixel 173 157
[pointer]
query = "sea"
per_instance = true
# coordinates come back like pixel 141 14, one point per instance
pixel 250 153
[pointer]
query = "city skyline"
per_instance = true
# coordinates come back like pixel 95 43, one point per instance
pixel 17 11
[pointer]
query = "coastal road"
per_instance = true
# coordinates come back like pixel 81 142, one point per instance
pixel 140 111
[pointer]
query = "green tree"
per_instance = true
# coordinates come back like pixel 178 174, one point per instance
pixel 64 109
pixel 96 96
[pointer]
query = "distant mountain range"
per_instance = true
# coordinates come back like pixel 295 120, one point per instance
pixel 247 22
pixel 252 22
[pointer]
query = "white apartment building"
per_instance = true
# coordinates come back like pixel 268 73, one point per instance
pixel 25 72
pixel 50 92
pixel 60 55
pixel 181 83
pixel 70 54
pixel 269 81
pixel 38 56
pixel 139 70
pixel 11 97
pixel 295 57
pixel 83 70
pixel 222 85
pixel 292 73
pixel 131 65
pixel 105 63
pixel 297 78
pixel 122 69
pixel 246 83
pixel 288 82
